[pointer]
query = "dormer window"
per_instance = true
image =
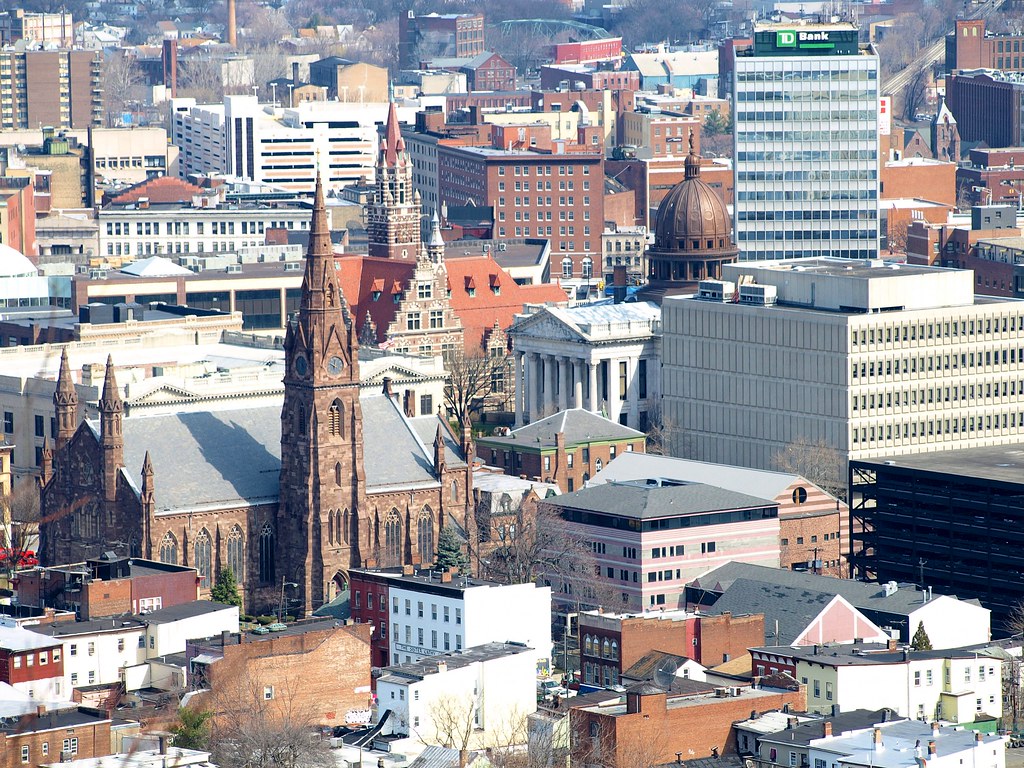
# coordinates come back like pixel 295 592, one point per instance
pixel 374 295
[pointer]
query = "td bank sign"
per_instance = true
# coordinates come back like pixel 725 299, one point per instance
pixel 788 38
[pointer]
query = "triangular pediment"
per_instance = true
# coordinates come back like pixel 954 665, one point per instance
pixel 163 393
pixel 544 325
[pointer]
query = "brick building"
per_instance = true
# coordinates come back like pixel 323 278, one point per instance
pixel 54 736
pixel 660 134
pixel 59 88
pixel 987 106
pixel 568 77
pixel 486 71
pixel 919 177
pixel 107 586
pixel 610 643
pixel 453 35
pixel 547 194
pixel 993 176
pixel 972 46
pixel 319 671
pixel 584 51
pixel 565 449
pixel 349 80
pixel 285 493
pixel 651 727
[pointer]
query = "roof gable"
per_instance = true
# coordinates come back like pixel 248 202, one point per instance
pixel 840 622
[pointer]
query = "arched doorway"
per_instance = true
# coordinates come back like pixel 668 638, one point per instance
pixel 338 585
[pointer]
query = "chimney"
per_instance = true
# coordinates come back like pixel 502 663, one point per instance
pixel 791 723
pixel 295 76
pixel 935 729
pixel 442 667
pixel 164 739
pixel 932 751
pixel 619 284
pixel 407 570
pixel 446 577
pixel 387 387
pixel 977 737
pixel 893 644
pixel 409 404
pixel 232 26
pixel 876 739
pixel 828 727
pixel 40 710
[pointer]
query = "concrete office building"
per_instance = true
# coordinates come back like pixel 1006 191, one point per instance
pixel 867 358
pixel 286 147
pixel 805 106
pixel 59 88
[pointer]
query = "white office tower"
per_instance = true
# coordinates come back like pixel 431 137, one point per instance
pixel 805 107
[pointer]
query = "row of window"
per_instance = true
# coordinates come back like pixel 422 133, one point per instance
pixel 968 361
pixel 596 646
pixel 930 396
pixel 216 227
pixel 832 536
pixel 544 170
pixel 938 427
pixel 69 746
pixel 421 638
pixel 235 554
pixel 941 329
pixel 524 186
pixel 31 657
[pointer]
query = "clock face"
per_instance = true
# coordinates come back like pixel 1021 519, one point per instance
pixel 334 365
pixel 301 366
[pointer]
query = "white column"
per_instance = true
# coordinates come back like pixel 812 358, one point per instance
pixel 577 381
pixel 517 357
pixel 550 384
pixel 614 403
pixel 533 384
pixel 633 392
pixel 563 383
pixel 592 383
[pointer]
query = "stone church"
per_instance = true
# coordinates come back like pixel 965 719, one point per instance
pixel 334 479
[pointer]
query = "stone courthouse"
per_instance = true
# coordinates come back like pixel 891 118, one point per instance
pixel 335 479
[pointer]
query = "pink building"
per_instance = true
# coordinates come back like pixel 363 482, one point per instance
pixel 652 537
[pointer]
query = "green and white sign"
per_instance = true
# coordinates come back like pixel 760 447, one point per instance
pixel 789 38
pixel 785 39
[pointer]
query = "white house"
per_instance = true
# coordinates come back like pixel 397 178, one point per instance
pixel 909 744
pixel 956 685
pixel 488 690
pixel 168 629
pixel 96 652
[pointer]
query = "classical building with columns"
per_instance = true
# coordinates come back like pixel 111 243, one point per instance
pixel 604 358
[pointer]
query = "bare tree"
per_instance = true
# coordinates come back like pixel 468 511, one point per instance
pixel 453 720
pixel 541 546
pixel 263 725
pixel 472 378
pixel 263 27
pixel 915 95
pixel 200 78
pixel 662 432
pixel 897 234
pixel 19 532
pixel 122 85
pixel 816 461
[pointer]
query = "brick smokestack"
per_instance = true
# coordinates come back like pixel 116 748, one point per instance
pixel 232 25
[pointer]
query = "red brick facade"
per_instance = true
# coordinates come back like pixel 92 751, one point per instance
pixel 80 734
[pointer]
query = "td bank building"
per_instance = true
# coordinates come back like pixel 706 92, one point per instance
pixel 805 117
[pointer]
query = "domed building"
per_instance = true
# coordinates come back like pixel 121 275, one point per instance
pixel 692 237
pixel 21 285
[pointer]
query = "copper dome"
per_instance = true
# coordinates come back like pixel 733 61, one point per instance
pixel 692 216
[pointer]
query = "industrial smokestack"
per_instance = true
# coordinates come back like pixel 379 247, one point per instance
pixel 232 26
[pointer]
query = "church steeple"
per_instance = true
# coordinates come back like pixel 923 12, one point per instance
pixel 322 472
pixel 111 408
pixel 65 403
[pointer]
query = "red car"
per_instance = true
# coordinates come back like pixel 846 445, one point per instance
pixel 26 559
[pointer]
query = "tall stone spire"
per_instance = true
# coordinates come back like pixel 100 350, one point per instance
pixel 393 216
pixel 111 408
pixel 320 281
pixel 393 146
pixel 65 402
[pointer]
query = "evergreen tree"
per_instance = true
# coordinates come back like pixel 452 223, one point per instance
pixel 921 642
pixel 193 729
pixel 449 550
pixel 225 590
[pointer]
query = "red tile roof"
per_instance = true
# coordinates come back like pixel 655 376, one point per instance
pixel 164 189
pixel 478 312
pixel 360 277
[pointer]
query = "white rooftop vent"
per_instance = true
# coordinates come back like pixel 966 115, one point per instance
pixel 716 290
pixel 233 269
pixel 890 588
pixel 292 266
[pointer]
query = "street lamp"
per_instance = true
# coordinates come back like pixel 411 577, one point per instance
pixel 984 189
pixel 280 605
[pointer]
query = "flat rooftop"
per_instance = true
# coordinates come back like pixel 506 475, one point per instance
pixel 417 670
pixel 999 463
pixel 751 695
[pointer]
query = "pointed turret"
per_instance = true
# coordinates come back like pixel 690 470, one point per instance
pixel 111 408
pixel 148 488
pixel 46 465
pixel 435 245
pixel 467 437
pixel 319 283
pixel 394 143
pixel 65 402
pixel 439 461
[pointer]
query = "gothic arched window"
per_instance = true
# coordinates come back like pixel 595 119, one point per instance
pixel 266 554
pixel 425 535
pixel 169 549
pixel 330 527
pixel 345 523
pixel 337 474
pixel 203 561
pixel 393 539
pixel 334 418
pixel 236 553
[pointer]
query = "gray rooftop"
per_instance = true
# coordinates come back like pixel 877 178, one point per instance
pixel 843 722
pixel 900 740
pixel 69 628
pixel 417 670
pixel 642 466
pixel 577 424
pixel 812 589
pixel 645 502
pixel 1001 463
pixel 234 456
pixel 185 611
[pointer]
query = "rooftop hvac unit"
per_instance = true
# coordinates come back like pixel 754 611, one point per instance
pixel 502 246
pixel 97 274
pixel 758 295
pixel 716 290
pixel 233 269
pixel 292 266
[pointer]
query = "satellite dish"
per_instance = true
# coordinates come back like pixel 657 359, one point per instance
pixel 665 673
